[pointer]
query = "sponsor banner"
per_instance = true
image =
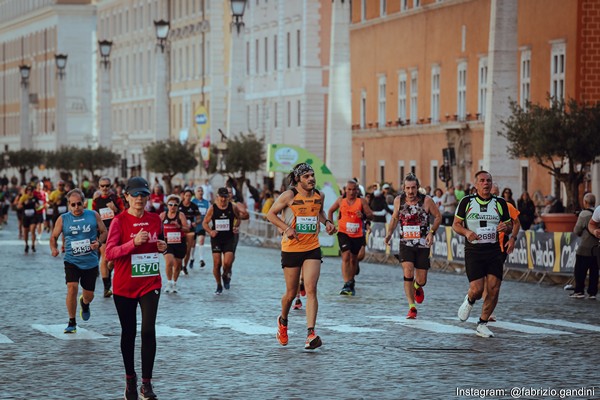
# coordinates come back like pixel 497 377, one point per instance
pixel 376 238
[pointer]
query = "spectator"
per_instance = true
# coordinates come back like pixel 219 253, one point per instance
pixel 526 208
pixel 459 192
pixel 437 199
pixel 449 203
pixel 585 259
pixel 553 205
pixel 507 195
pixel 267 203
pixel 379 206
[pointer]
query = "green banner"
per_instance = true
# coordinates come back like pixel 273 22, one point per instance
pixel 283 157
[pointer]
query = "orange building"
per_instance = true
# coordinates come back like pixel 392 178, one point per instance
pixel 420 81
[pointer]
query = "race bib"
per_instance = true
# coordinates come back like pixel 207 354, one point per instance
pixel 81 247
pixel 202 210
pixel 50 211
pixel 411 232
pixel 29 212
pixel 173 237
pixel 486 234
pixel 62 209
pixel 156 205
pixel 352 227
pixel 144 265
pixel 189 222
pixel 222 224
pixel 106 213
pixel 306 224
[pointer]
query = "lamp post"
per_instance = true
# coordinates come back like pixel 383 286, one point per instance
pixel 26 138
pixel 105 139
pixel 61 107
pixel 236 110
pixel 161 111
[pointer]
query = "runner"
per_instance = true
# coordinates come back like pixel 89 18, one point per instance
pixel 350 232
pixel 134 243
pixel 57 201
pixel 479 217
pixel 243 215
pixel 302 210
pixel 192 214
pixel 175 228
pixel 28 203
pixel 203 206
pixel 83 232
pixel 225 219
pixel 413 211
pixel 108 205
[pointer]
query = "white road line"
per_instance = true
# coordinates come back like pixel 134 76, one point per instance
pixel 5 339
pixel 245 326
pixel 58 332
pixel 511 326
pixel 350 329
pixel 163 330
pixel 427 325
pixel 566 324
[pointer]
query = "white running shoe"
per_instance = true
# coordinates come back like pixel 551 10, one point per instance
pixel 174 287
pixel 484 331
pixel 169 287
pixel 465 309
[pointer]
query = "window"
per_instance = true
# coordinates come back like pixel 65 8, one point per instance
pixel 524 175
pixel 266 54
pixel 363 109
pixel 275 53
pixel 524 95
pixel 289 113
pixel 363 10
pixel 483 74
pixel 461 104
pixel 435 93
pixel 299 112
pixel 404 5
pixel 434 174
pixel 414 92
pixel 247 58
pixel 381 170
pixel 256 54
pixel 383 8
pixel 381 102
pixel 401 173
pixel 289 56
pixel 413 167
pixel 298 48
pixel 402 96
pixel 557 72
pixel 275 115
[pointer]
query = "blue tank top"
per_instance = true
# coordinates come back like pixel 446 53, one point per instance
pixel 79 232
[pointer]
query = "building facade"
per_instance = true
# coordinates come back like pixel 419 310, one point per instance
pixel 425 73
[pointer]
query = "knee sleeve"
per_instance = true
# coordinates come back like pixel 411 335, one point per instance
pixel 409 279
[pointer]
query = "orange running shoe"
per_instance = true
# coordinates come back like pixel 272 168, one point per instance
pixel 419 295
pixel 412 313
pixel 282 336
pixel 297 304
pixel 312 341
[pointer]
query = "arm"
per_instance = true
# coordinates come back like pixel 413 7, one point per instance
pixel 580 226
pixel 242 211
pixel 516 225
pixel 334 207
pixel 56 232
pixel 594 226
pixel 437 219
pixel 393 222
pixel 205 222
pixel 329 226
pixel 458 223
pixel 114 249
pixel 183 222
pixel 366 210
pixel 102 232
pixel 282 202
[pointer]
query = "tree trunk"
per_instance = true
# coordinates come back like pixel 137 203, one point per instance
pixel 572 187
pixel 168 185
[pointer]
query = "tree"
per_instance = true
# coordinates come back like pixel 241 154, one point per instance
pixel 170 158
pixel 563 138
pixel 26 160
pixel 92 160
pixel 245 153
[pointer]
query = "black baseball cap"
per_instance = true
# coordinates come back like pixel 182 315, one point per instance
pixel 137 185
pixel 223 192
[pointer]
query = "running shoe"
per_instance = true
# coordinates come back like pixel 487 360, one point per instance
pixel 71 329
pixel 492 318
pixel 184 271
pixel 357 269
pixel 302 289
pixel 146 392
pixel 219 290
pixel 465 309
pixel 591 297
pixel 191 266
pixel 84 311
pixel 412 313
pixel 312 341
pixel 226 281
pixel 131 392
pixel 577 295
pixel 33 248
pixel 484 331
pixel 282 336
pixel 346 290
pixel 298 304
pixel 419 295
pixel 202 263
pixel 26 249
pixel 107 293
pixel 174 287
pixel 169 287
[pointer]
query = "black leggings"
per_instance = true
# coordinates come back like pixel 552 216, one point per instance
pixel 127 310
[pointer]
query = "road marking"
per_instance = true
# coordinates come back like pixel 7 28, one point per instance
pixel 58 332
pixel 244 326
pixel 350 329
pixel 566 324
pixel 511 326
pixel 5 339
pixel 163 330
pixel 427 325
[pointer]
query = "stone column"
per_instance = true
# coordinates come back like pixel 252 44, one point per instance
pixel 161 99
pixel 105 138
pixel 62 135
pixel 236 110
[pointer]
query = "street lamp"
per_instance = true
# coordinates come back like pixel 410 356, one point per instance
pixel 162 31
pixel 25 71
pixel 105 46
pixel 61 64
pixel 237 12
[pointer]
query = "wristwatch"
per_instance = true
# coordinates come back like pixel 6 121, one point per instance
pixel 432 231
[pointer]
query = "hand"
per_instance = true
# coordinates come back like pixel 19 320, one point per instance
pixel 510 245
pixel 330 228
pixel 54 252
pixel 429 239
pixel 503 227
pixel 112 206
pixel 213 233
pixel 95 245
pixel 290 233
pixel 388 239
pixel 471 236
pixel 161 245
pixel 236 230
pixel 141 237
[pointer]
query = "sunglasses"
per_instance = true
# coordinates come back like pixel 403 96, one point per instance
pixel 139 194
pixel 104 186
pixel 78 204
pixel 172 205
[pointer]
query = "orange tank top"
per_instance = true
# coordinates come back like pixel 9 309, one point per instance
pixel 349 222
pixel 303 216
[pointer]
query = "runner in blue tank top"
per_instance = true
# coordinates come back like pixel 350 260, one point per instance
pixel 83 233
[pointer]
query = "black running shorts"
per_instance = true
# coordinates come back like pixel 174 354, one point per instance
pixel 296 259
pixel 226 246
pixel 479 264
pixel 418 256
pixel 353 244
pixel 178 250
pixel 85 277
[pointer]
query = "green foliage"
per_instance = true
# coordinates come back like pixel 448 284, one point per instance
pixel 93 160
pixel 563 134
pixel 170 158
pixel 245 153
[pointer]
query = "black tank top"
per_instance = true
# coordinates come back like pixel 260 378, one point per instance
pixel 223 222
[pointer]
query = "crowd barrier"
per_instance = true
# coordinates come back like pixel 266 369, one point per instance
pixel 545 253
